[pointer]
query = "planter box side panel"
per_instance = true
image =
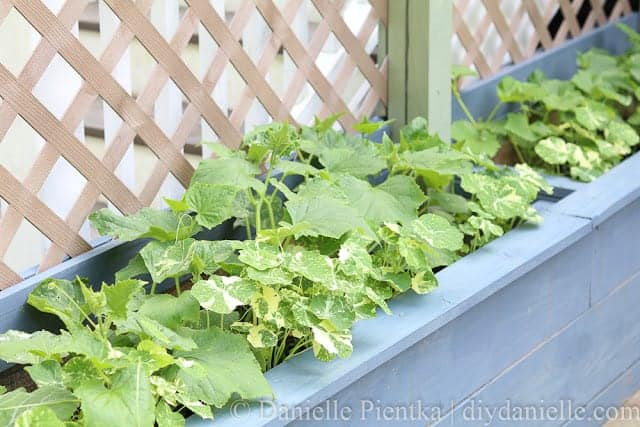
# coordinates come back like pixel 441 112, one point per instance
pixel 574 366
pixel 449 365
pixel 620 390
pixel 617 250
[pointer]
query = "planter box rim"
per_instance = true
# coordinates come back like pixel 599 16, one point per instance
pixel 608 194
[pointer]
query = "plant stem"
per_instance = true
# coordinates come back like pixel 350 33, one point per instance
pixel 518 152
pixel 494 111
pixel 456 95
pixel 222 321
pixel 298 346
pixel 177 282
pixel 153 288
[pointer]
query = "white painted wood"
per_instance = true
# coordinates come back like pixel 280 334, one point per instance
pixel 254 37
pixel 56 89
pixel 165 15
pixel 122 73
pixel 208 49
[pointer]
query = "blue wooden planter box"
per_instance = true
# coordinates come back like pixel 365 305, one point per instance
pixel 544 317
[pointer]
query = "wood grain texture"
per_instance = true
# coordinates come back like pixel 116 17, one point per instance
pixel 153 41
pixel 39 214
pixel 105 85
pixel 521 38
pixel 138 123
pixel 54 133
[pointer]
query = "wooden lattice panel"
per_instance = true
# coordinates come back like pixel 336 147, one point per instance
pixel 354 84
pixel 489 34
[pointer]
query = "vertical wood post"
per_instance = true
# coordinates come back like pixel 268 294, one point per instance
pixel 397 54
pixel 420 63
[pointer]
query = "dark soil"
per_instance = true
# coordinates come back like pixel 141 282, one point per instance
pixel 16 377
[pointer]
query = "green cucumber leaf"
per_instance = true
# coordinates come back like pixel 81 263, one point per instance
pixel 39 417
pixel 58 400
pixel 152 223
pixel 128 401
pixel 222 365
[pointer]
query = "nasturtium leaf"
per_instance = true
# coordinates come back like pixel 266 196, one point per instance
pixel 593 116
pixel 313 266
pixel 215 203
pixel 502 200
pixel 354 258
pixel 39 417
pixel 334 309
pixel 128 401
pixel 119 296
pixel 273 276
pixel 222 365
pixel 621 133
pixel 488 228
pixel 157 224
pixel 533 178
pixel 46 373
pixel 327 345
pixel 259 336
pixel 222 294
pixel 58 400
pixel 209 254
pixel 379 293
pixel 260 256
pixel 266 304
pixel 553 150
pixel 171 311
pixel 400 281
pixel 166 260
pixel 581 157
pixel 166 417
pixel 424 282
pixel 348 154
pixel 23 348
pixel 583 174
pixel 64 298
pixel 435 231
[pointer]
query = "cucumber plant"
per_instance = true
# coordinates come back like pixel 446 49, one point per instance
pixel 368 221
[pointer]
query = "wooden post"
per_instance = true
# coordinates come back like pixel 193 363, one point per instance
pixel 419 43
pixel 397 51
